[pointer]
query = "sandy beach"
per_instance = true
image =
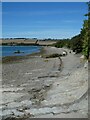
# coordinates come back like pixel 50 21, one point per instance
pixel 39 87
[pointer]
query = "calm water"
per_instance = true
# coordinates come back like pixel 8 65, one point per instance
pixel 9 50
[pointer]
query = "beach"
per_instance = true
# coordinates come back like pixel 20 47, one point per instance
pixel 39 87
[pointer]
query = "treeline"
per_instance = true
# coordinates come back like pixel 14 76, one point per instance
pixel 20 44
pixel 74 43
pixel 79 43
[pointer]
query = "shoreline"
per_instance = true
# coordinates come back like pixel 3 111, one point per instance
pixel 36 88
pixel 11 59
pixel 27 42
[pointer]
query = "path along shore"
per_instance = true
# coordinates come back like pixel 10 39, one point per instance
pixel 37 88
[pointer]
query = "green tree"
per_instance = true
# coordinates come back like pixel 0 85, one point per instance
pixel 86 34
pixel 76 43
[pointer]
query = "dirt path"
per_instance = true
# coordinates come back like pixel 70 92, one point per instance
pixel 68 96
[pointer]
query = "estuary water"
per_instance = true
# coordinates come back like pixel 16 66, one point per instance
pixel 24 50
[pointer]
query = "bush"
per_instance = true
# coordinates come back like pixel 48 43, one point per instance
pixel 53 55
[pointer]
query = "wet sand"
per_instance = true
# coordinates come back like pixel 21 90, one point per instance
pixel 37 87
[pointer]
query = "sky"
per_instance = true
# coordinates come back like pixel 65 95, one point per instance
pixel 44 0
pixel 56 20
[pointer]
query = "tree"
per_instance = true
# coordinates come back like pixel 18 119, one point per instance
pixel 76 43
pixel 86 34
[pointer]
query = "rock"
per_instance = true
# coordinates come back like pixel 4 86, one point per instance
pixel 86 64
pixel 39 111
pixel 82 58
pixel 11 112
pixel 21 110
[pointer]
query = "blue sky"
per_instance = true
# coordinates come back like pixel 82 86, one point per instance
pixel 42 19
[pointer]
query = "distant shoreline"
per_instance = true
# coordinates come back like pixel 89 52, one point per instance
pixel 14 42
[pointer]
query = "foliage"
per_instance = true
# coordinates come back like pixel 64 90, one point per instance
pixel 76 43
pixel 85 39
pixel 53 55
pixel 79 43
pixel 62 43
pixel 86 34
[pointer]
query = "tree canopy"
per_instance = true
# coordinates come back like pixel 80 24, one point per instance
pixel 86 34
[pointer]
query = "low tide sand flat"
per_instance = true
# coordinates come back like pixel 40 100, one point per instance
pixel 36 88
